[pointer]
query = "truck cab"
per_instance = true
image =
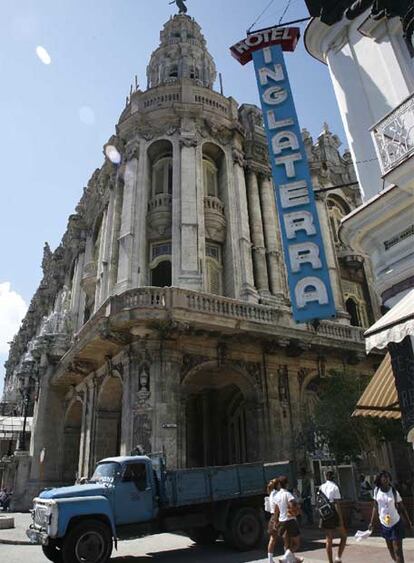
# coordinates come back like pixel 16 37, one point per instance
pixel 121 493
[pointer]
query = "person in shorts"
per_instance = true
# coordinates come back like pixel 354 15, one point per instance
pixel 288 527
pixel 388 506
pixel 273 527
pixel 335 524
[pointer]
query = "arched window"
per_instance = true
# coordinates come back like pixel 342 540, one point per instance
pixel 162 176
pixel 210 178
pixel 214 267
pixel 352 309
pixel 337 210
pixel 173 72
pixel 161 275
pixel 160 264
pixel 194 73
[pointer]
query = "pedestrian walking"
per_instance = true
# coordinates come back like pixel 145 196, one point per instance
pixel 273 527
pixel 365 489
pixel 306 496
pixel 332 522
pixel 389 507
pixel 288 527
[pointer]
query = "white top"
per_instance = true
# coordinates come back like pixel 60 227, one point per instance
pixel 331 491
pixel 282 499
pixel 388 513
pixel 272 501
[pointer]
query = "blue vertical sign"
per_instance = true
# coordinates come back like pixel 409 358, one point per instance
pixel 308 274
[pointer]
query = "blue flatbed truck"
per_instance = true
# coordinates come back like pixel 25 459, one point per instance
pixel 132 497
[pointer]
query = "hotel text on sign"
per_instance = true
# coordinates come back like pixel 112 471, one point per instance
pixel 304 253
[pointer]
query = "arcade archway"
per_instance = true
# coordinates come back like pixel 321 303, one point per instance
pixel 221 423
pixel 108 419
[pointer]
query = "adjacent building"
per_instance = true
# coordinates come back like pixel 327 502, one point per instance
pixel 369 51
pixel 162 319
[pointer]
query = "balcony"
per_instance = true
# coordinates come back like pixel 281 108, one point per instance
pixel 215 220
pixel 394 141
pixel 159 218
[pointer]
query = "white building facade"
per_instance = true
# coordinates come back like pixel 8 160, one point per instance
pixel 368 49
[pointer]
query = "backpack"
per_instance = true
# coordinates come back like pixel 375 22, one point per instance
pixel 325 508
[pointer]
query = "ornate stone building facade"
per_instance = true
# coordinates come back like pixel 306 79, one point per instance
pixel 163 318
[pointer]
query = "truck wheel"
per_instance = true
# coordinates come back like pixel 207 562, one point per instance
pixel 244 530
pixel 89 541
pixel 203 536
pixel 52 552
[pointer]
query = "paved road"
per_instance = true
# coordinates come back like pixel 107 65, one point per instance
pixel 169 548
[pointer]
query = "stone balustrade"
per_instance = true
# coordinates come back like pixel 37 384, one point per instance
pixel 161 201
pixel 214 203
pixel 181 299
pixel 212 99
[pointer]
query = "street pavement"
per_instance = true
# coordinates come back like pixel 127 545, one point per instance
pixel 175 548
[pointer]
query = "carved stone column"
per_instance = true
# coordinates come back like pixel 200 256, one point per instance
pixel 272 237
pixel 189 273
pixel 126 235
pixel 256 229
pixel 247 290
pixel 331 259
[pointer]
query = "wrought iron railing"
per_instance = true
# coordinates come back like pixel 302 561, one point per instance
pixel 394 135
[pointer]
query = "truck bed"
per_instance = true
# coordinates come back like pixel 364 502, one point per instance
pixel 185 487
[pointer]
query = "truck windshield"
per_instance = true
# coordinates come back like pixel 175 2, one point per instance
pixel 106 472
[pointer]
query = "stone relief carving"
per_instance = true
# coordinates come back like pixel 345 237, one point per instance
pixel 142 432
pixel 144 386
pixel 132 150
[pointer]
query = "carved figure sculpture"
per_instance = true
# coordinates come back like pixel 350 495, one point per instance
pixel 182 8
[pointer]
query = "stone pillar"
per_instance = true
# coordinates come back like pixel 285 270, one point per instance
pixel 90 425
pixel 139 259
pixel 77 304
pixel 247 287
pixel 189 274
pixel 272 238
pixel 102 264
pixel 256 229
pixel 47 437
pixel 331 259
pixel 126 235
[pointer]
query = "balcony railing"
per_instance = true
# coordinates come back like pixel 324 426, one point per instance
pixel 168 299
pixel 394 136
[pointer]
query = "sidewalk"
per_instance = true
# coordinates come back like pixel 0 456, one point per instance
pixel 373 550
pixel 16 535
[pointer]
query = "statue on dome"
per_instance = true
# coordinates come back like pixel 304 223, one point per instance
pixel 182 8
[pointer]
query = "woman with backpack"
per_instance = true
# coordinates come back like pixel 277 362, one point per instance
pixel 388 506
pixel 330 513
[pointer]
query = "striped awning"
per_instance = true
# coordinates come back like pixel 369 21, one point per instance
pixel 380 398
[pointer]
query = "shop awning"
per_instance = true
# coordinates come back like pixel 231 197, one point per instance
pixel 393 326
pixel 380 398
pixel 10 426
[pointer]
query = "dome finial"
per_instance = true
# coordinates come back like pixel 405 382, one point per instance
pixel 181 6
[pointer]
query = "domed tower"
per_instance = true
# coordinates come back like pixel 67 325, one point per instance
pixel 186 219
pixel 181 54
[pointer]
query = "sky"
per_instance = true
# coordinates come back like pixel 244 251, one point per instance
pixel 66 67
